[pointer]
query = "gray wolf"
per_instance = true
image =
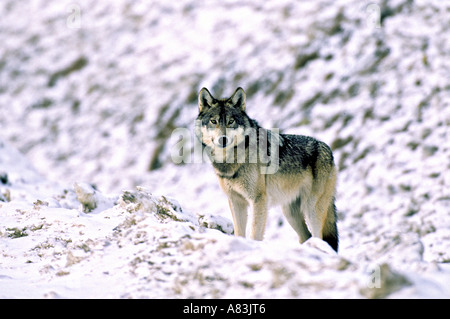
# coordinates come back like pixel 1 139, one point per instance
pixel 261 168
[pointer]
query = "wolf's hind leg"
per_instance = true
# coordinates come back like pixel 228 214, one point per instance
pixel 238 206
pixel 296 219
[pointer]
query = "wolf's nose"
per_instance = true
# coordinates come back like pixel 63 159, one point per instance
pixel 223 140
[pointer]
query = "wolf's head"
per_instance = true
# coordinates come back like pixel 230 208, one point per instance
pixel 230 136
pixel 221 123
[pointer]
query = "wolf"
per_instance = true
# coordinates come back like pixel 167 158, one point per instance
pixel 260 168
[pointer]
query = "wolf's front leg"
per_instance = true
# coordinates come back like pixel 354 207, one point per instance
pixel 259 216
pixel 238 206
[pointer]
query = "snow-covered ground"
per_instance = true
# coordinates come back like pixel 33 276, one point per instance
pixel 91 91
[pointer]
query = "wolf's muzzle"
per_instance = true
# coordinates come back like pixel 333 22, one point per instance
pixel 223 141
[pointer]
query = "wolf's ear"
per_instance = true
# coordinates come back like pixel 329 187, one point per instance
pixel 238 98
pixel 205 99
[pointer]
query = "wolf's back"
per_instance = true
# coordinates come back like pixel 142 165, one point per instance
pixel 301 152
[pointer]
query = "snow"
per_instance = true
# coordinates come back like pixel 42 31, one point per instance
pixel 92 206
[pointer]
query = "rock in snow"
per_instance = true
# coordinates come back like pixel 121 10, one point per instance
pixel 93 91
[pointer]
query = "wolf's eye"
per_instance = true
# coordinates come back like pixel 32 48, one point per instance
pixel 230 121
pixel 213 122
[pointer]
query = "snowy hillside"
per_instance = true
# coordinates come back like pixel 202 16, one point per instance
pixel 91 91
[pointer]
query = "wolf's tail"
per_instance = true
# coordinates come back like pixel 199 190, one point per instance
pixel 330 231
